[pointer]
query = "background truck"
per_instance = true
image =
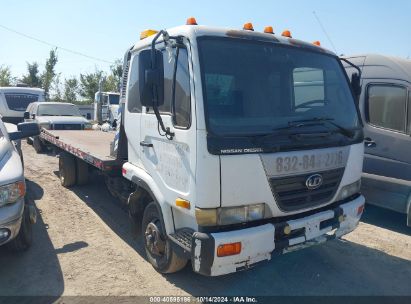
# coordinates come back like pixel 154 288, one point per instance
pixel 385 105
pixel 231 147
pixel 14 102
pixel 54 116
pixel 106 106
pixel 17 214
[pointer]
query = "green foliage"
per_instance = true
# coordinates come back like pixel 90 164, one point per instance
pixel 71 88
pixel 32 77
pixel 5 76
pixel 117 73
pixel 89 84
pixel 49 73
pixel 56 89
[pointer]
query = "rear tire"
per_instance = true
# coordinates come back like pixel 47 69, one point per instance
pixel 38 145
pixel 158 247
pixel 67 170
pixel 24 238
pixel 82 172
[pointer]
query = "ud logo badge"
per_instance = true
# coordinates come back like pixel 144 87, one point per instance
pixel 314 181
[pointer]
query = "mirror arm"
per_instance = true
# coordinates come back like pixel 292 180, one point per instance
pixel 167 131
pixel 352 65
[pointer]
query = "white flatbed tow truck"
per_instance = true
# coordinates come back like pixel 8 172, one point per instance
pixel 231 147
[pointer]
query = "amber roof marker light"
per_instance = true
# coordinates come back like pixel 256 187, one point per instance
pixel 269 30
pixel 317 43
pixel 287 34
pixel 248 26
pixel 191 21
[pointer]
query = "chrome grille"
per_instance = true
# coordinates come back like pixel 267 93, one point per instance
pixel 291 193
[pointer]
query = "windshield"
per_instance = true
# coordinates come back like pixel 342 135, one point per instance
pixel 255 87
pixel 20 101
pixel 58 110
pixel 114 99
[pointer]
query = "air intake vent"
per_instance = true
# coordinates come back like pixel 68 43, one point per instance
pixel 124 82
pixel 291 193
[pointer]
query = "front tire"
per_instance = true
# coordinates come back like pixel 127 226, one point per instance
pixel 156 244
pixel 24 238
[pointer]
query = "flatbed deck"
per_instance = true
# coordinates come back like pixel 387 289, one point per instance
pixel 92 146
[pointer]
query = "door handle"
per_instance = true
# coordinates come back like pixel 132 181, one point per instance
pixel 369 143
pixel 146 144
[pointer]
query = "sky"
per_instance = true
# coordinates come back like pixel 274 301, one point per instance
pixel 106 29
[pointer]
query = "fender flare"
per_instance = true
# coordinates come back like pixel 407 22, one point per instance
pixel 145 181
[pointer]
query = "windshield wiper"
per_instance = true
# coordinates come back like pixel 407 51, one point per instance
pixel 321 120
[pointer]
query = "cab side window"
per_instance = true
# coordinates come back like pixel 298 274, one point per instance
pixel 133 102
pixel 182 95
pixel 387 106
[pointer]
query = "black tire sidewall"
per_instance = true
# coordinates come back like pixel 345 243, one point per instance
pixel 151 212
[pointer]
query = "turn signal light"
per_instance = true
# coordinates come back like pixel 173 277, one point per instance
pixel 287 34
pixel 317 43
pixel 182 203
pixel 360 209
pixel 191 21
pixel 248 26
pixel 269 30
pixel 228 249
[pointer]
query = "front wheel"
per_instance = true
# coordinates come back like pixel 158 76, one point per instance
pixel 24 238
pixel 157 246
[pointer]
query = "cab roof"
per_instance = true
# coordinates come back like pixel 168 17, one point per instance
pixel 194 31
pixel 382 66
pixel 21 90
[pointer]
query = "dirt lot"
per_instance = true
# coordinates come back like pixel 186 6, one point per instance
pixel 83 247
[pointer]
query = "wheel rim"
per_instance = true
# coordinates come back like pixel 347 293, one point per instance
pixel 155 243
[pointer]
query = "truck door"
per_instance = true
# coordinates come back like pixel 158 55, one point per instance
pixel 387 162
pixel 171 163
pixel 132 113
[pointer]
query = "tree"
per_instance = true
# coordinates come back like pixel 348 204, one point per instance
pixel 89 84
pixel 117 73
pixel 5 76
pixel 71 87
pixel 32 79
pixel 49 73
pixel 56 94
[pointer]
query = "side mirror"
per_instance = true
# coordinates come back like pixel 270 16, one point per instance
pixel 25 129
pixel 356 84
pixel 26 115
pixel 151 78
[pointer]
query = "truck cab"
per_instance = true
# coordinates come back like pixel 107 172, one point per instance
pixel 109 102
pixel 241 144
pixel 385 105
pixel 15 100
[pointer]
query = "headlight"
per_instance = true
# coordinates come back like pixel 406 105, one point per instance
pixel 11 193
pixel 88 126
pixel 45 125
pixel 231 215
pixel 349 190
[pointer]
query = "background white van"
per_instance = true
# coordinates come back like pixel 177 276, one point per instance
pixel 14 102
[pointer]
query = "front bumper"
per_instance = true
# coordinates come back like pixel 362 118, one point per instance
pixel 10 220
pixel 259 243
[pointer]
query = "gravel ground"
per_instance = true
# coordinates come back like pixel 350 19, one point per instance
pixel 82 246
